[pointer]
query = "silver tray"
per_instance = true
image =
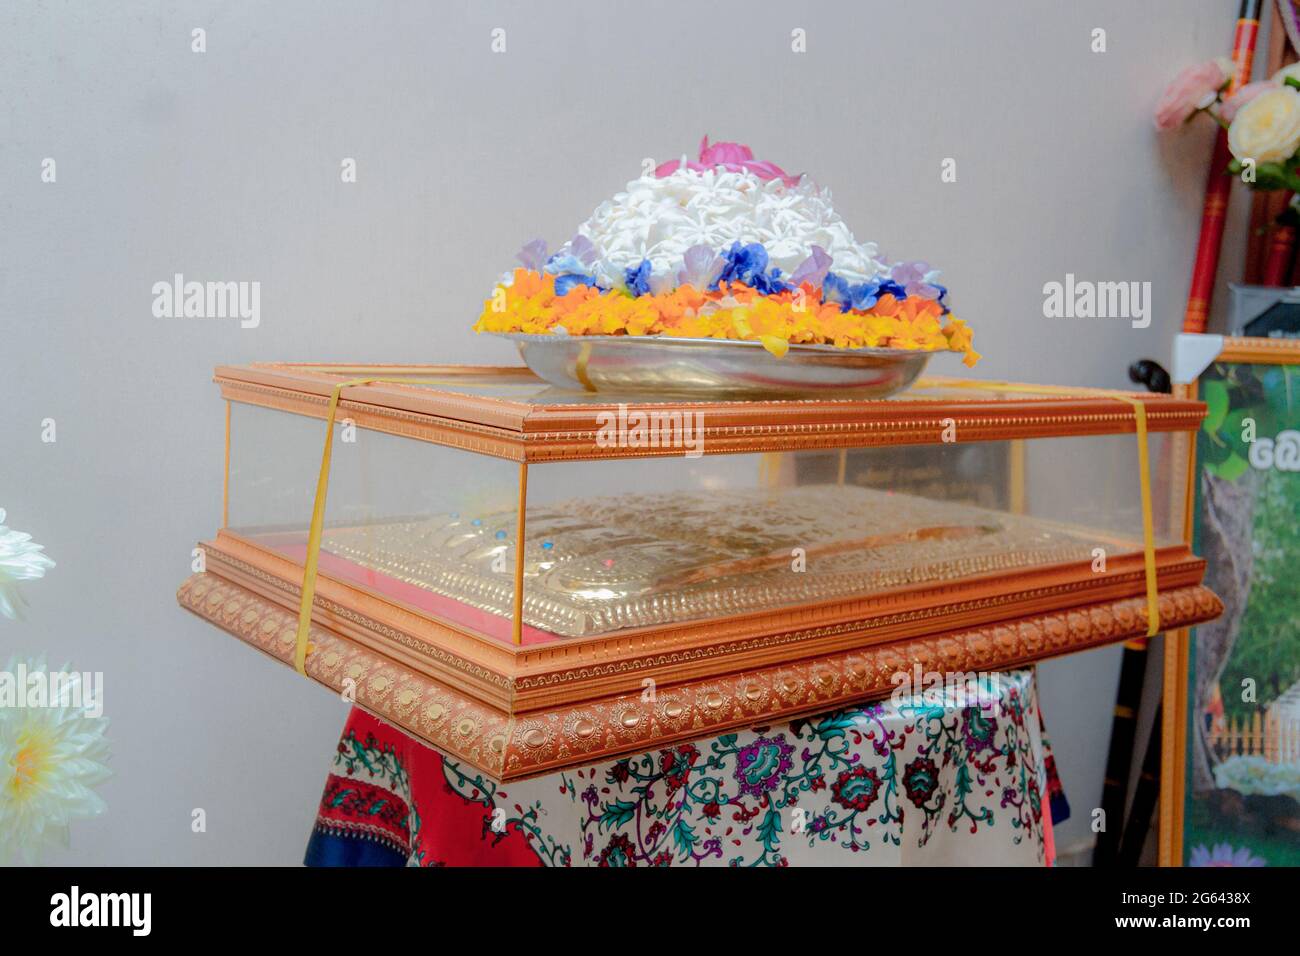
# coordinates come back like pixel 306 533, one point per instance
pixel 714 367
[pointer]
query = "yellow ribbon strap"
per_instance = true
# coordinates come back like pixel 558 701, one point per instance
pixel 1144 467
pixel 318 509
pixel 1148 525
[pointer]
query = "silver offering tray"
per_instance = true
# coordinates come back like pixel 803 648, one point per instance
pixel 714 368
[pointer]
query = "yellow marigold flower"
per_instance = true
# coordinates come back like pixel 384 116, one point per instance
pixel 530 305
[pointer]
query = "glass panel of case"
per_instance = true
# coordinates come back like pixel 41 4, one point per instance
pixel 616 544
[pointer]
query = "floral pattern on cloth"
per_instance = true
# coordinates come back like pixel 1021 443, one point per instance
pixel 920 781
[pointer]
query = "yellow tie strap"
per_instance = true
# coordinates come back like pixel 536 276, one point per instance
pixel 1144 467
pixel 318 509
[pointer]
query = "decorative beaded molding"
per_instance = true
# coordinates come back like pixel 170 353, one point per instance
pixel 510 747
pixel 520 431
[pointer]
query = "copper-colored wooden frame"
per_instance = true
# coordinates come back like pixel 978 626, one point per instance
pixel 1177 660
pixel 509 747
pixel 521 431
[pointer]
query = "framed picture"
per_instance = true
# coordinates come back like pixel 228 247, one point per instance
pixel 1230 787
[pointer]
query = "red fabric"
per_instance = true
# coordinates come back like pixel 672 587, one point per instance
pixel 443 828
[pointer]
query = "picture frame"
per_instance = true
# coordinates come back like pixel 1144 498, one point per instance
pixel 1200 359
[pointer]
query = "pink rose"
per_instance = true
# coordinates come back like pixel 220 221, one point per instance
pixel 1243 96
pixel 1191 90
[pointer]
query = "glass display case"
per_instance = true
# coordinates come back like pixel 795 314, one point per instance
pixel 530 578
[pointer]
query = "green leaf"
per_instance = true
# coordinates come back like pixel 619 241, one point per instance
pixel 684 836
pixel 768 828
pixel 1215 395
pixel 616 814
pixel 1233 468
pixel 834 725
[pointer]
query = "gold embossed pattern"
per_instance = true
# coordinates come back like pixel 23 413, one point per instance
pixel 597 565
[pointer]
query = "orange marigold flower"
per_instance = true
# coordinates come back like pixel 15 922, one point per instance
pixel 737 311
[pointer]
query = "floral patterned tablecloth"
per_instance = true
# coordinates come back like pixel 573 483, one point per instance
pixel 918 781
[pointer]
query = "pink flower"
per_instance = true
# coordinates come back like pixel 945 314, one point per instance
pixel 733 157
pixel 724 154
pixel 1192 89
pixel 1243 96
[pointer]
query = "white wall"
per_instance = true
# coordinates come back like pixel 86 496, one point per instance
pixel 225 165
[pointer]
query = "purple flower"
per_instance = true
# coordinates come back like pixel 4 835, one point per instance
pixel 581 248
pixel 533 255
pixel 812 270
pixel 907 272
pixel 762 765
pixel 1224 855
pixel 661 284
pixel 701 267
pixel 912 277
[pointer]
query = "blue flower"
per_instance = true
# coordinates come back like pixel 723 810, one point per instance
pixel 893 288
pixel 861 296
pixel 748 264
pixel 865 294
pixel 559 264
pixel 943 292
pixel 835 290
pixel 770 283
pixel 637 278
pixel 742 262
pixel 569 270
pixel 570 279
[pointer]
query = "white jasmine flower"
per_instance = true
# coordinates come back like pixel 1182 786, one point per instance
pixel 661 218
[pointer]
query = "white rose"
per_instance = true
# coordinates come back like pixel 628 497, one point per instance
pixel 1292 70
pixel 1267 129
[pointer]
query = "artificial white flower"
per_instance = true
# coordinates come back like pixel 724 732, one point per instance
pixel 1267 129
pixel 660 217
pixel 20 560
pixel 50 758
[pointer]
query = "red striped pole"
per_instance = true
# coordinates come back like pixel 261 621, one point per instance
pixel 1218 186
